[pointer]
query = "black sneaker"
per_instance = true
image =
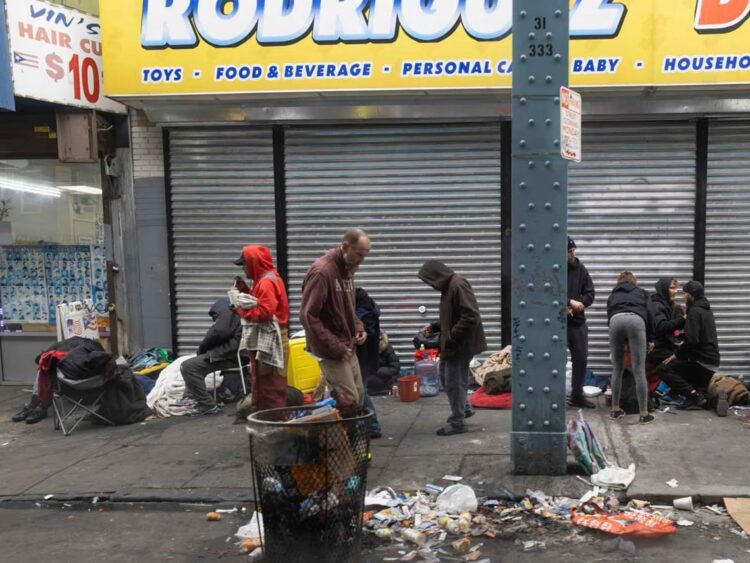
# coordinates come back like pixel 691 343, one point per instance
pixel 722 404
pixel 694 400
pixel 580 402
pixel 36 414
pixel 646 419
pixel 615 415
pixel 22 414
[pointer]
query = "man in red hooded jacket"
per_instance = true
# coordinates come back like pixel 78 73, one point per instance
pixel 269 384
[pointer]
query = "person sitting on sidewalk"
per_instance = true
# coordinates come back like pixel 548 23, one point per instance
pixel 668 319
pixel 689 370
pixel 389 368
pixel 217 351
pixel 461 336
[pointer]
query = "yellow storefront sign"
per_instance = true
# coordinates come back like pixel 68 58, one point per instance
pixel 172 47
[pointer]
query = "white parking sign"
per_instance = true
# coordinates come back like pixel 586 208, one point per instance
pixel 570 124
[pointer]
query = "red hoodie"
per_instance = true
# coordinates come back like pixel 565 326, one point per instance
pixel 268 287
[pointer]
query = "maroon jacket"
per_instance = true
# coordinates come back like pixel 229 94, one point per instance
pixel 327 312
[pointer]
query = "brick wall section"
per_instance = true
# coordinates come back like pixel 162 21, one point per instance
pixel 147 147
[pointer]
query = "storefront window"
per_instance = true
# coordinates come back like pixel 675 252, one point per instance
pixel 51 240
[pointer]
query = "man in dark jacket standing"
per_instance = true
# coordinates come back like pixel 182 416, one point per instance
pixel 328 316
pixel 217 351
pixel 580 296
pixel 689 370
pixel 461 336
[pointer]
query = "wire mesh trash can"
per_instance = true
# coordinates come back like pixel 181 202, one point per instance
pixel 310 480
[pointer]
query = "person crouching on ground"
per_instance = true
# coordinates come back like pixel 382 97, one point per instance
pixel 461 336
pixel 630 319
pixel 265 332
pixel 689 370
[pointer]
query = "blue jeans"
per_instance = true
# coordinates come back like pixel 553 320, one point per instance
pixel 374 422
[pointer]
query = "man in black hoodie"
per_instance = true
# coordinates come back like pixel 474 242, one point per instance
pixel 668 318
pixel 217 351
pixel 580 296
pixel 461 336
pixel 689 370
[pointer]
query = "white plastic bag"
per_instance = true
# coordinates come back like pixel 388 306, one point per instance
pixel 457 498
pixel 613 477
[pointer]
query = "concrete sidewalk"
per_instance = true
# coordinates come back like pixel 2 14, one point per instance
pixel 207 458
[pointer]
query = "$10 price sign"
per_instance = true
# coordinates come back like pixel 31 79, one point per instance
pixel 56 55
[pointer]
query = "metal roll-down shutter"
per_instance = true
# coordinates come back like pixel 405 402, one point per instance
pixel 222 198
pixel 631 207
pixel 421 191
pixel 728 241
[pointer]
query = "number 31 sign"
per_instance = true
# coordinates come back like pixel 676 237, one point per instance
pixel 56 55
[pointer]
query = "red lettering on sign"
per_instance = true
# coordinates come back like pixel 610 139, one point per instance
pixel 716 16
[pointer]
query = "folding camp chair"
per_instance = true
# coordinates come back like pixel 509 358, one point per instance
pixel 74 400
pixel 241 368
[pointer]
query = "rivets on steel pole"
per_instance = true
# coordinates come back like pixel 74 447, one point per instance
pixel 555 373
pixel 530 389
pixel 531 247
pixel 530 355
pixel 532 206
pixel 555 338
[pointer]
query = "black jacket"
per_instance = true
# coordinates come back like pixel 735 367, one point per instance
pixel 701 343
pixel 580 288
pixel 626 298
pixel 223 337
pixel 389 368
pixel 460 323
pixel 667 319
pixel 367 354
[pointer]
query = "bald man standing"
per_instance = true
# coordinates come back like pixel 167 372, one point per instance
pixel 328 316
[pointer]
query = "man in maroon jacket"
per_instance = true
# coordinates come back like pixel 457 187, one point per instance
pixel 328 316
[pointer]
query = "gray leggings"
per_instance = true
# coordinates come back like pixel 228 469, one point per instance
pixel 630 327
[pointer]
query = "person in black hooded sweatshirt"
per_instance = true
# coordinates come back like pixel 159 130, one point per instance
pixel 668 318
pixel 580 296
pixel 689 370
pixel 461 336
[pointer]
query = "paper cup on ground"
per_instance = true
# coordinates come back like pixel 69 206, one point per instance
pixel 684 503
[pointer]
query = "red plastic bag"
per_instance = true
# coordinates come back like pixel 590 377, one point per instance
pixel 630 523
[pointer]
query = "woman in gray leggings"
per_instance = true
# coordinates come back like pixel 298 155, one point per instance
pixel 630 321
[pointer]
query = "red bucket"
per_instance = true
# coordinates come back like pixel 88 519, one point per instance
pixel 408 388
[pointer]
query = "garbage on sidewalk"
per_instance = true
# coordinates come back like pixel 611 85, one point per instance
pixel 426 525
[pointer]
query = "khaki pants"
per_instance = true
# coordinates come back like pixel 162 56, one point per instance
pixel 345 376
